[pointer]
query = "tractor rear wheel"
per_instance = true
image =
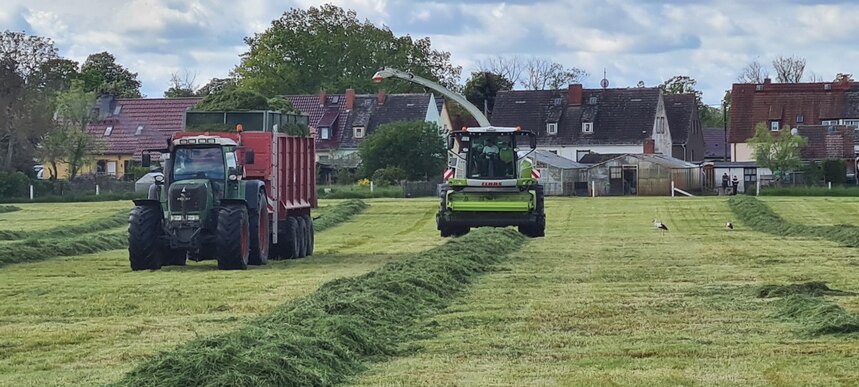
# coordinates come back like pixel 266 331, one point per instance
pixel 144 229
pixel 302 237
pixel 233 237
pixel 259 232
pixel 311 237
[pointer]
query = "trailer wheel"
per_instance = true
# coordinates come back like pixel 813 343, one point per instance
pixel 233 237
pixel 311 237
pixel 259 232
pixel 144 230
pixel 301 237
pixel 288 240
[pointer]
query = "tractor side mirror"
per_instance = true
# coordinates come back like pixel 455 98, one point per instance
pixel 249 157
pixel 146 160
pixel 532 141
pixel 450 142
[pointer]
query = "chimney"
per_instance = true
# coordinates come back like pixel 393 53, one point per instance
pixel 649 146
pixel 350 98
pixel 322 98
pixel 767 81
pixel 380 99
pixel 574 95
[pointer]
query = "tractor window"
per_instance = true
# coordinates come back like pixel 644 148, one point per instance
pixel 491 156
pixel 198 163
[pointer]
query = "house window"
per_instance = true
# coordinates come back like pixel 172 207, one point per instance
pixel 139 130
pixel 324 133
pixel 853 123
pixel 107 130
pixel 829 122
pixel 750 175
pixel 800 119
pixel 592 101
pixel 117 109
pixel 587 127
pixel 774 126
pixel 660 125
pixel 323 157
pixel 552 128
pixel 614 172
pixel 358 132
pixel 581 153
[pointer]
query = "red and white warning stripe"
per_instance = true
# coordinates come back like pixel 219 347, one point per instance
pixel 448 173
pixel 535 173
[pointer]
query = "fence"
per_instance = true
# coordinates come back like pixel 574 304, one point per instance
pixel 41 188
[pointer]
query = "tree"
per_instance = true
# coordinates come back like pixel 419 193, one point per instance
pixel 217 85
pixel 754 72
pixel 181 86
pixel 543 74
pixel 74 113
pixel 56 75
pixel 414 147
pixel 843 77
pixel 102 75
pixel 53 149
pixel 789 69
pixel 779 153
pixel 24 109
pixel 482 88
pixel 327 47
pixel 509 68
pixel 233 99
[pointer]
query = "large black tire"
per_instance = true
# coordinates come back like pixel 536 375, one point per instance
pixel 233 237
pixel 144 230
pixel 302 237
pixel 288 240
pixel 174 257
pixel 311 235
pixel 259 232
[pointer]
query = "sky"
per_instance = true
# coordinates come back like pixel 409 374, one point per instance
pixel 629 40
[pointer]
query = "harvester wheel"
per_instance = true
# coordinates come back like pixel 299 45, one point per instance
pixel 311 237
pixel 144 228
pixel 259 230
pixel 460 231
pixel 289 238
pixel 233 237
pixel 302 237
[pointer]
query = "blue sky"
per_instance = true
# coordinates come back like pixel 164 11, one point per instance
pixel 645 40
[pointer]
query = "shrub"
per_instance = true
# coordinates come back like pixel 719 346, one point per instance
pixel 14 184
pixel 835 171
pixel 389 176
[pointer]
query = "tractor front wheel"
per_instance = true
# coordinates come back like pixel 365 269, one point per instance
pixel 233 237
pixel 144 229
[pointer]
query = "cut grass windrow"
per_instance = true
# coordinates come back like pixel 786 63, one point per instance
pixel 118 219
pixel 759 217
pixel 4 209
pixel 814 288
pixel 33 250
pixel 331 334
pixel 339 213
pixel 817 315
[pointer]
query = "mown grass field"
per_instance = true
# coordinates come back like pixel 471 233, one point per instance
pixel 603 299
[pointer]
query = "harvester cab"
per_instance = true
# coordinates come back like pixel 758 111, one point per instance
pixel 491 179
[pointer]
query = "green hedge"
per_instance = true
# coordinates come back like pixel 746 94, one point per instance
pixel 810 191
pixel 358 192
pixel 331 334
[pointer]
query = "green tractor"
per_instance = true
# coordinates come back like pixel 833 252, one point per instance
pixel 490 181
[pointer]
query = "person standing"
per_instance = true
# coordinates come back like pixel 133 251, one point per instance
pixel 725 180
pixel 736 183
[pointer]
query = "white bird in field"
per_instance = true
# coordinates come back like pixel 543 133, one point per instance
pixel 729 226
pixel 660 226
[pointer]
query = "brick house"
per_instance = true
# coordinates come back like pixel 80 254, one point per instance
pixel 577 121
pixel 788 104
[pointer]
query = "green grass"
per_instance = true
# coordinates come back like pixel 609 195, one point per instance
pixel 78 198
pixel 5 209
pixel 760 217
pixel 358 192
pixel 38 249
pixel 338 213
pixel 118 219
pixel 815 211
pixel 605 299
pixel 44 216
pixel 818 316
pixel 87 320
pixel 327 336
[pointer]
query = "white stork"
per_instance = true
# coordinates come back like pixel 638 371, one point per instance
pixel 660 226
pixel 729 225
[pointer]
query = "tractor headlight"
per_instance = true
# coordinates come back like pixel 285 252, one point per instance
pixel 193 217
pixel 233 177
pixel 176 217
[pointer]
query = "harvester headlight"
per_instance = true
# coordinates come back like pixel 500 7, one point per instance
pixel 193 217
pixel 175 217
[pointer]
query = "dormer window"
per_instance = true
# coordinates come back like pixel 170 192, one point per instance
pixel 107 131
pixel 324 133
pixel 774 126
pixel 358 132
pixel 552 128
pixel 139 130
pixel 587 127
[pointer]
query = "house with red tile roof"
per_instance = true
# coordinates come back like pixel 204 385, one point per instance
pixel 575 122
pixel 125 127
pixel 777 105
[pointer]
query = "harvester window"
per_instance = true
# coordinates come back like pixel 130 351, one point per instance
pixel 492 157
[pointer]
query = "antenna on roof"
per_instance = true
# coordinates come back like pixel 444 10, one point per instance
pixel 604 81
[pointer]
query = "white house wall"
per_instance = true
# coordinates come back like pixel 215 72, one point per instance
pixel 741 152
pixel 662 141
pixel 432 113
